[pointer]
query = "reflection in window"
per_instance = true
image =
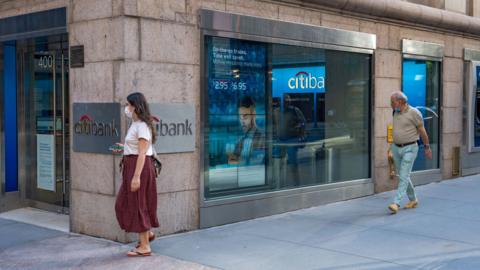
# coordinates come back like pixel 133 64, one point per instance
pixel 283 116
pixel 477 111
pixel 421 84
pixel 2 135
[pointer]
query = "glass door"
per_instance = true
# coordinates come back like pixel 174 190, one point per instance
pixel 421 84
pixel 45 82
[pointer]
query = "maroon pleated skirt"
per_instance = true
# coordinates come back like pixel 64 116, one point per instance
pixel 137 211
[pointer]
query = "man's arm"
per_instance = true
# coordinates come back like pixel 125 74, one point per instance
pixel 424 136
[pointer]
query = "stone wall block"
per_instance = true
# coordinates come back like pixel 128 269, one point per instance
pixel 169 43
pixel 384 88
pixel 452 120
pixel 178 212
pixel 453 94
pixel 388 64
pixel 161 83
pixel 103 39
pixel 93 82
pixel 92 173
pixel 84 10
pixel 180 172
pixel 452 69
pixel 299 15
pixel 164 9
pixel 253 8
pixel 339 22
pixel 94 214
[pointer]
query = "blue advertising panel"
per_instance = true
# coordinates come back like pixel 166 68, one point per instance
pixel 236 113
pixel 415 82
pixel 236 69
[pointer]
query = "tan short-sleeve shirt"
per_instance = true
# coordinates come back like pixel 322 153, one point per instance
pixel 406 124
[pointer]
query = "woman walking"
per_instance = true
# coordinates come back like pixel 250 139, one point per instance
pixel 136 204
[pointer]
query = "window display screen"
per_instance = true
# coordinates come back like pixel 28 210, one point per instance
pixel 280 116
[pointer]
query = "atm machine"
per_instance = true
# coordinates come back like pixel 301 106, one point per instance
pixel 470 149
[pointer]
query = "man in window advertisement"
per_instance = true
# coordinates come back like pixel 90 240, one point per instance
pixel 407 126
pixel 250 149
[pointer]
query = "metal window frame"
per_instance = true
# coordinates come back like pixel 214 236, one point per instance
pixel 473 59
pixel 242 207
pixel 470 100
pixel 20 28
pixel 421 50
pixel 38 24
pixel 469 157
pixel 2 127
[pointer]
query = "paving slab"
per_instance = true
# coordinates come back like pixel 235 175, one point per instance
pixel 359 234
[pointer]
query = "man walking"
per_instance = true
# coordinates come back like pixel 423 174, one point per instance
pixel 407 126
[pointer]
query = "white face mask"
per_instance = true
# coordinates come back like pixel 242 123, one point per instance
pixel 128 113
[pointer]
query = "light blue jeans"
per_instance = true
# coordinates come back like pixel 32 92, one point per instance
pixel 404 157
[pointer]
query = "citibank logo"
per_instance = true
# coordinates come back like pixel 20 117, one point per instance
pixel 87 126
pixel 304 80
pixel 174 129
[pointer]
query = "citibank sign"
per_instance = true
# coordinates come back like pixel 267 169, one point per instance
pixel 96 126
pixel 302 79
pixel 176 127
pixel 86 125
pixel 305 80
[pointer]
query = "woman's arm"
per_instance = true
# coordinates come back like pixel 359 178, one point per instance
pixel 142 152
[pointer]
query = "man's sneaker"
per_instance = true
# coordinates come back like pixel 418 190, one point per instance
pixel 411 204
pixel 393 207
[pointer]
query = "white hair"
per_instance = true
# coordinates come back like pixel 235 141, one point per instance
pixel 400 96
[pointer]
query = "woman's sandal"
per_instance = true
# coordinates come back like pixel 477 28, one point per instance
pixel 136 253
pixel 150 239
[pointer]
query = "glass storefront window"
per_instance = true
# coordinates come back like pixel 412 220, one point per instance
pixel 280 116
pixel 421 84
pixel 2 135
pixel 476 118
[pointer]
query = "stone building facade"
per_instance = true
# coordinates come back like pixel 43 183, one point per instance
pixel 158 47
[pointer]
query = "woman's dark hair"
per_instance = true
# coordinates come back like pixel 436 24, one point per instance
pixel 139 102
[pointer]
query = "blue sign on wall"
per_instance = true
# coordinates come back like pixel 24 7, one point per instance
pixel 298 80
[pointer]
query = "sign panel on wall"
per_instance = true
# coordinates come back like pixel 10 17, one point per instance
pixel 46 162
pixel 176 127
pixel 96 127
pixel 237 83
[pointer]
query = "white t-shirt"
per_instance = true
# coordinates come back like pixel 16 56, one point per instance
pixel 138 130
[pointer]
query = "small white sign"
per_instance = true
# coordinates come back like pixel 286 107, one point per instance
pixel 46 162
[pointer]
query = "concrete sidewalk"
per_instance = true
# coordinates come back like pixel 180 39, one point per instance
pixel 24 246
pixel 443 233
